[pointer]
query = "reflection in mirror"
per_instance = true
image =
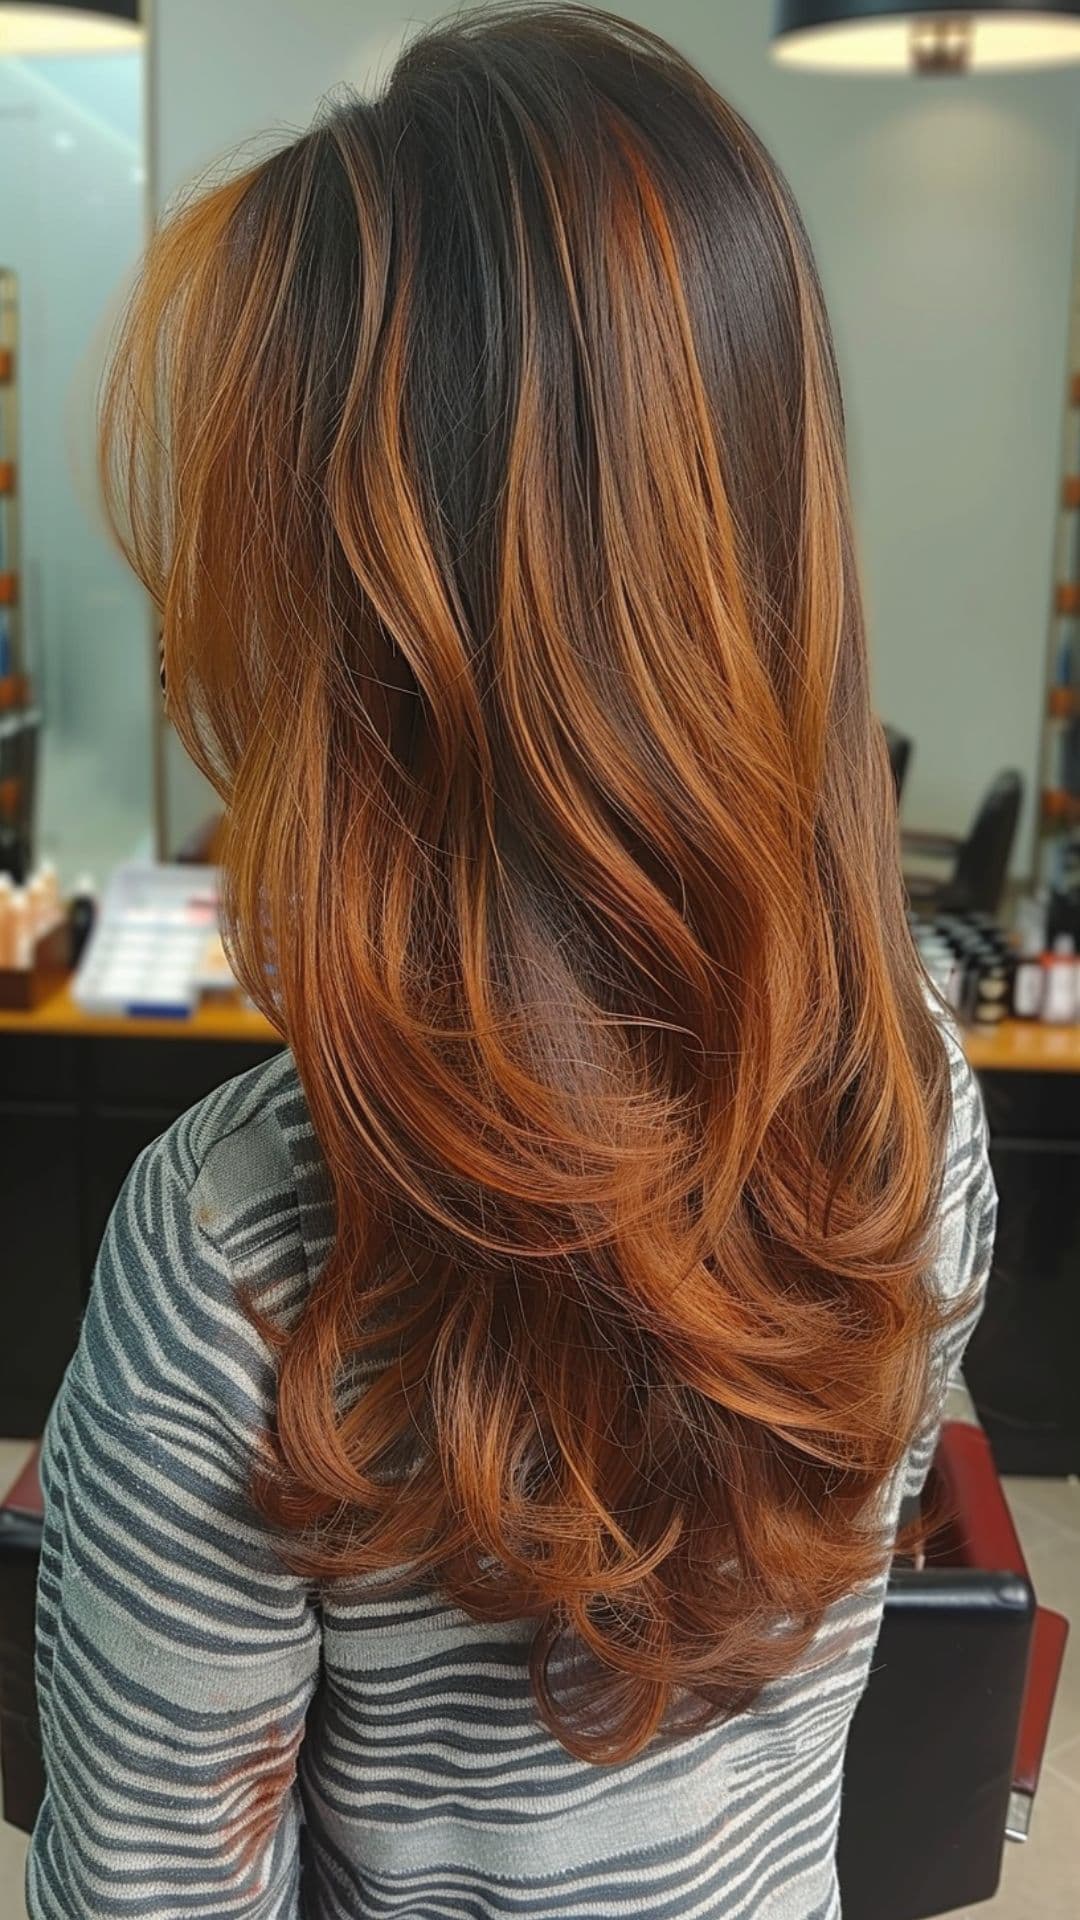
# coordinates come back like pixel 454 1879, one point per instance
pixel 72 221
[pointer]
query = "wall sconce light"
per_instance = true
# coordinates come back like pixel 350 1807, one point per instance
pixel 879 36
pixel 34 27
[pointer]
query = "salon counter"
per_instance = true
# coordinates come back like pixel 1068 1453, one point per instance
pixel 80 1096
pixel 220 1017
pixel 1023 1046
pixel 1016 1046
pixel 1023 1365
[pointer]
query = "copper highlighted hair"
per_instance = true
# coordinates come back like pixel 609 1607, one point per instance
pixel 483 451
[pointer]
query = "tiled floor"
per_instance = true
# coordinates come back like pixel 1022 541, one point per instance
pixel 1042 1878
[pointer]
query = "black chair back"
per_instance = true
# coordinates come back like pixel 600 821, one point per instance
pixel 982 863
pixel 899 747
pixel 930 1757
pixel 22 1774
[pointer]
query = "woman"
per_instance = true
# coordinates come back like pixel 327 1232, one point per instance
pixel 475 1486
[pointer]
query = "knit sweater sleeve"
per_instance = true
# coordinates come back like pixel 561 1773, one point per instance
pixel 176 1655
pixel 967 1216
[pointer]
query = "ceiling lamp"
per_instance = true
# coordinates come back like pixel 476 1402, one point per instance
pixel 32 27
pixel 879 36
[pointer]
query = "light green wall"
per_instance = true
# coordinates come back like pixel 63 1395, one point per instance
pixel 942 213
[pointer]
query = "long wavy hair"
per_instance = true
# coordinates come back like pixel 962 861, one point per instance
pixel 483 452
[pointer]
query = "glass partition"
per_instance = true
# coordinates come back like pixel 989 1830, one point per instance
pixel 72 223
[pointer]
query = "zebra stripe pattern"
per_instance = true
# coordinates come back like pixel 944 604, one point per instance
pixel 219 1741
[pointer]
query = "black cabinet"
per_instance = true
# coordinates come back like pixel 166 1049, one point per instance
pixel 75 1112
pixel 1023 1364
pixel 41 1265
pixel 77 1109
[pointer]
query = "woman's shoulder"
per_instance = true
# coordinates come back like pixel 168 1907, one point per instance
pixel 245 1152
pixel 265 1101
pixel 967 1120
pixel 226 1213
pixel 963 1247
pixel 236 1165
pixel 966 1213
pixel 967 1204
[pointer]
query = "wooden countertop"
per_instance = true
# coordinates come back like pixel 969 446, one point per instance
pixel 1022 1046
pixel 219 1017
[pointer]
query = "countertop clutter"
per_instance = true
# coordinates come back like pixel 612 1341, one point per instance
pixel 35 942
pixel 151 966
pixel 1015 995
pixel 147 960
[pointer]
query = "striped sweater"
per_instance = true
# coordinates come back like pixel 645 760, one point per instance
pixel 221 1742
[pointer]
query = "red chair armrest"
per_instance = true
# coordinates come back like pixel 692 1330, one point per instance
pixel 978 1529
pixel 1044 1670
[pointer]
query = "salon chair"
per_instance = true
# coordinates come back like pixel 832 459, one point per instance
pixel 971 872
pixel 22 1778
pixel 946 1743
pixel 898 746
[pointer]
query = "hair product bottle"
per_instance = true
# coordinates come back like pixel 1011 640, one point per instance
pixel 1029 981
pixel 1059 990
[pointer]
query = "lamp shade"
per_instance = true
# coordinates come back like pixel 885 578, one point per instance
pixel 32 27
pixel 880 36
